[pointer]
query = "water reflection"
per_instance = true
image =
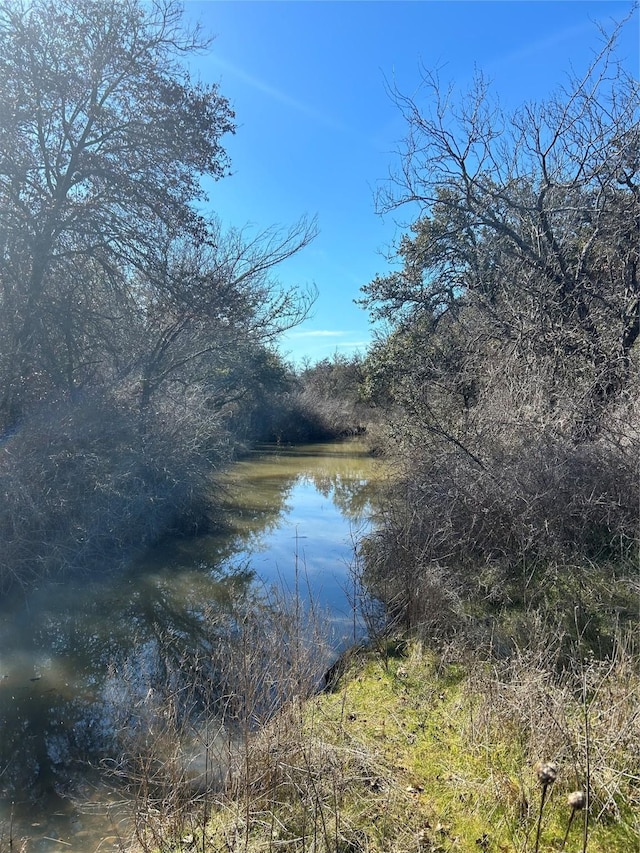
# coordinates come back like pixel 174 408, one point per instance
pixel 73 656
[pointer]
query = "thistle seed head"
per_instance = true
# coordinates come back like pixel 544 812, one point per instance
pixel 577 800
pixel 547 772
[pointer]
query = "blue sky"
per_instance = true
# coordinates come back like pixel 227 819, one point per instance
pixel 317 130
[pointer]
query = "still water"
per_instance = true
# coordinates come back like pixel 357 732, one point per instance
pixel 74 657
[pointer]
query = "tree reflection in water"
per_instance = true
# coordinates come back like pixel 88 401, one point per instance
pixel 88 669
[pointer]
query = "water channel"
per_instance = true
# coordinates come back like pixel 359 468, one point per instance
pixel 75 658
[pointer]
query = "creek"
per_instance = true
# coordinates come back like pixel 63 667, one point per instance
pixel 76 658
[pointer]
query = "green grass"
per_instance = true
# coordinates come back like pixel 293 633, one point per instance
pixel 409 754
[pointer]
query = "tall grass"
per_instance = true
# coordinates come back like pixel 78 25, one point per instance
pixel 191 740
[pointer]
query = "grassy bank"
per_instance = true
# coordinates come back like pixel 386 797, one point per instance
pixel 413 751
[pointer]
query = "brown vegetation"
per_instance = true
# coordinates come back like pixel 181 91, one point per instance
pixel 135 334
pixel 509 377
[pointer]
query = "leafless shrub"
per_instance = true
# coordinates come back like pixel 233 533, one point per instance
pixel 84 486
pixel 522 527
pixel 325 402
pixel 194 724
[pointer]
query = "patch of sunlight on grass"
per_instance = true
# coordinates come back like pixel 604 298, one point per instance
pixel 403 755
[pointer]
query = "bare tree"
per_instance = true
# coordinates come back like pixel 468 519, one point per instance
pixel 205 304
pixel 508 372
pixel 103 140
pixel 532 218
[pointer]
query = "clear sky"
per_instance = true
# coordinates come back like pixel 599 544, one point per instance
pixel 317 130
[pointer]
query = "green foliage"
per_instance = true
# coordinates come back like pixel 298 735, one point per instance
pixel 420 752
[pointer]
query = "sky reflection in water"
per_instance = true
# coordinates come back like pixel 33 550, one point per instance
pixel 293 513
